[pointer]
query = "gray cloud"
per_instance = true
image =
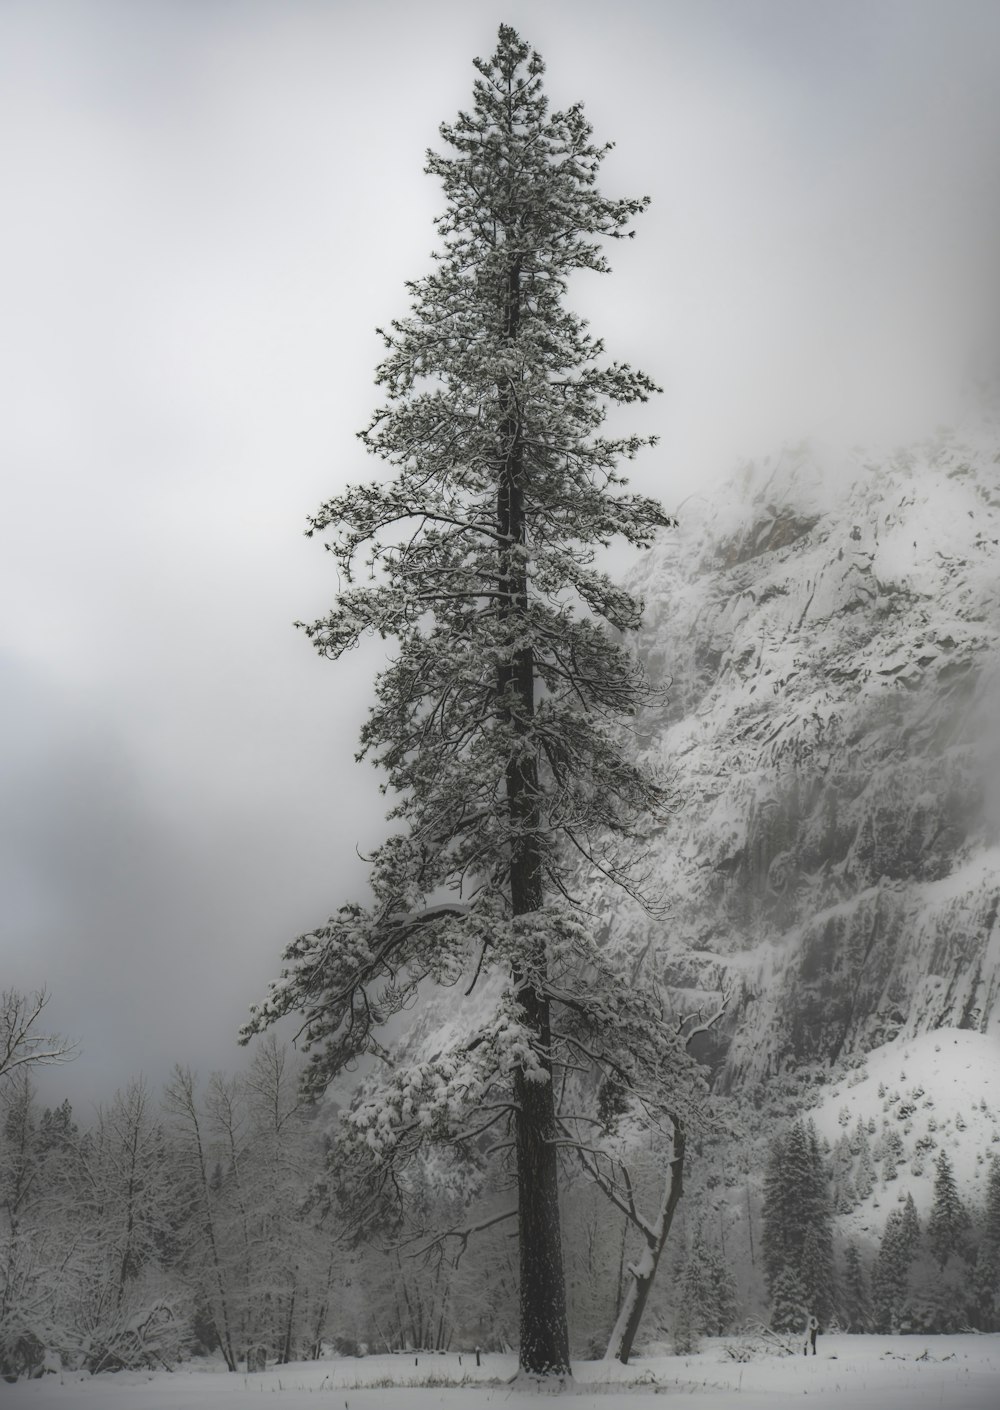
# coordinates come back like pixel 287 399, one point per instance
pixel 208 208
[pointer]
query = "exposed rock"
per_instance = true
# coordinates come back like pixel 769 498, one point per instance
pixel 828 647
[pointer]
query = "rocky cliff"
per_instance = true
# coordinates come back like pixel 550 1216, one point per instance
pixel 825 635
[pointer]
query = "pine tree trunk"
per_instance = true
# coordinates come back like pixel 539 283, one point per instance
pixel 544 1349
pixel 544 1330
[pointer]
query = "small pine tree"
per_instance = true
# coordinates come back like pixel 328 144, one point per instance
pixel 856 1296
pixel 991 1228
pixel 986 1287
pixel 775 1213
pixel 842 1157
pixel 986 1268
pixel 909 1228
pixel 864 1179
pixel 788 1302
pixel 798 1231
pixel 948 1217
pixel 889 1278
pixel 817 1271
pixel 937 1301
pixel 844 1195
pixel 685 1331
pixel 707 1288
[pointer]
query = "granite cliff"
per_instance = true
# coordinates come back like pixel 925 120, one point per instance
pixel 825 636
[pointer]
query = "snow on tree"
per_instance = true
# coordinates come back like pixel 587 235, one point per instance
pixel 87 1232
pixel 891 1272
pixel 706 1288
pixel 610 1172
pixel 291 1254
pixel 18 1250
pixel 246 1157
pixel 948 1218
pixel 986 1272
pixel 788 1311
pixel 864 1179
pixel 686 1341
pixel 798 1233
pixel 856 1296
pixel 209 1259
pixel 21 1046
pixel 910 1227
pixel 501 721
pixel 844 1195
pixel 991 1228
pixel 130 1312
pixel 817 1268
pixel 45 1256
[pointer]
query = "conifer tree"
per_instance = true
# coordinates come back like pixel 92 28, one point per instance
pixel 889 1277
pixel 789 1311
pixel 909 1227
pixel 948 1218
pixel 817 1268
pixel 798 1231
pixel 499 720
pixel 864 1180
pixel 778 1212
pixel 986 1271
pixel 991 1230
pixel 706 1287
pixel 856 1297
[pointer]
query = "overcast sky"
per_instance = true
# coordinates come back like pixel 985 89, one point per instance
pixel 208 205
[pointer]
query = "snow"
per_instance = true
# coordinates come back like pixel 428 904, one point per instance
pixel 827 632
pixel 863 1373
pixel 952 1078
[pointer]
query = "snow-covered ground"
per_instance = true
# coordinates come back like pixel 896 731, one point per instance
pixel 856 1373
pixel 941 1087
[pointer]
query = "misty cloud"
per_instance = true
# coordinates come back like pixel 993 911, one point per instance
pixel 209 209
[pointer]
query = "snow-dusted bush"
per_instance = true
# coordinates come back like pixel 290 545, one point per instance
pixel 137 1335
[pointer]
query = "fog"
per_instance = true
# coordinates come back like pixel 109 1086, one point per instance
pixel 208 209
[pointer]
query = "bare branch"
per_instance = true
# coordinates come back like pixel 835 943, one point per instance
pixel 463 1235
pixel 19 1045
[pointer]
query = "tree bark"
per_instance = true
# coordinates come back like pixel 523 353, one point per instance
pixel 544 1332
pixel 544 1348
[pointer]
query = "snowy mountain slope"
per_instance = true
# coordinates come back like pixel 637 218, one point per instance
pixel 937 1092
pixel 827 637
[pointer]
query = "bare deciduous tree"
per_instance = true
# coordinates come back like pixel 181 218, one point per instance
pixel 20 1045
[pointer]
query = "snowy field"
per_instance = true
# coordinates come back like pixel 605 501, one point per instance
pixel 855 1373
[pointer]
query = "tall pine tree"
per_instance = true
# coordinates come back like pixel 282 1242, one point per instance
pixel 798 1230
pixel 500 719
pixel 948 1217
pixel 986 1272
pixel 991 1228
pixel 891 1273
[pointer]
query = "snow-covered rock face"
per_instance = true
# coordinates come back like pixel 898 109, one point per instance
pixel 937 1092
pixel 827 638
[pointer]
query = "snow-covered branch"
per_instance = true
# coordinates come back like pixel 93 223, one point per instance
pixel 20 1046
